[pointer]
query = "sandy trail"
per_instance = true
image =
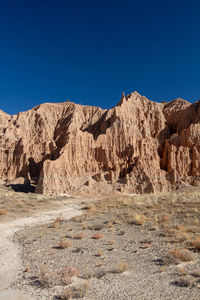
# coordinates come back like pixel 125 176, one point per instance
pixel 10 260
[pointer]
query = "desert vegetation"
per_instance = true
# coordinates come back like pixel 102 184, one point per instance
pixel 17 204
pixel 118 240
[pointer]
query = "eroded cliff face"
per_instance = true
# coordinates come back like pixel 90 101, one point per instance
pixel 137 146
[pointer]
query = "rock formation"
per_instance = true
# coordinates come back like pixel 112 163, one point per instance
pixel 137 146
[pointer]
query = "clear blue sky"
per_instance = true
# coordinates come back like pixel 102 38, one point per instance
pixel 91 51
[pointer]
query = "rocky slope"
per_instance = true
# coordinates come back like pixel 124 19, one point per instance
pixel 137 146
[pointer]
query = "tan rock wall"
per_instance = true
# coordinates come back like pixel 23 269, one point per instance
pixel 137 146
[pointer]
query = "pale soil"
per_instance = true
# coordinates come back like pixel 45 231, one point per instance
pixel 10 259
pixel 128 261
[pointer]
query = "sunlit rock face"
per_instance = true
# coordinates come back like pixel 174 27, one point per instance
pixel 139 146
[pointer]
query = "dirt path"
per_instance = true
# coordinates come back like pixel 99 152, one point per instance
pixel 10 260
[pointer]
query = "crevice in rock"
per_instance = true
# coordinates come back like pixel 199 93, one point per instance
pixel 101 126
pixel 61 134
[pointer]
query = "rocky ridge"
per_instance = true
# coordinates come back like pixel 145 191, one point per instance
pixel 139 146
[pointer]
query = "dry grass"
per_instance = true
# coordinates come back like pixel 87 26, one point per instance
pixel 121 267
pixel 17 204
pixel 84 225
pixel 55 224
pixel 196 273
pixel 156 216
pixel 136 219
pixel 111 242
pixel 146 245
pixel 65 243
pixel 3 212
pixel 186 281
pixel 196 244
pixel 163 218
pixel 183 271
pixel 100 253
pixel 178 236
pixel 89 273
pixel 46 277
pixel 181 237
pixel 67 274
pixel 80 236
pixel 97 236
pixel 49 278
pixel 176 255
pixel 75 292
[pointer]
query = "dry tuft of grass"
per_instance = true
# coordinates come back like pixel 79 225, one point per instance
pixel 146 245
pixel 64 243
pixel 67 274
pixel 55 224
pixel 196 244
pixel 46 277
pixel 181 237
pixel 3 212
pixel 75 292
pixel 136 219
pixel 196 273
pixel 90 208
pixel 183 271
pixel 164 218
pixel 97 236
pixel 121 267
pixel 84 225
pixel 49 278
pixel 186 281
pixel 111 242
pixel 89 273
pixel 176 255
pixel 100 253
pixel 80 236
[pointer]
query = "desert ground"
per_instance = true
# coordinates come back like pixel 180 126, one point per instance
pixel 121 247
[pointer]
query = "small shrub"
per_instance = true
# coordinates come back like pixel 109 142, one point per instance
pixel 181 236
pixel 90 208
pixel 99 264
pixel 183 271
pixel 196 273
pixel 175 256
pixel 64 243
pixel 121 267
pixel 136 219
pixel 110 224
pixel 111 242
pixel 163 218
pixel 3 212
pixel 84 225
pixel 55 224
pixel 146 245
pixel 100 253
pixel 97 236
pixel 46 277
pixel 185 281
pixel 186 255
pixel 96 227
pixel 75 292
pixel 196 244
pixel 76 219
pixel 79 236
pixel 50 278
pixel 67 294
pixel 67 274
pixel 88 273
